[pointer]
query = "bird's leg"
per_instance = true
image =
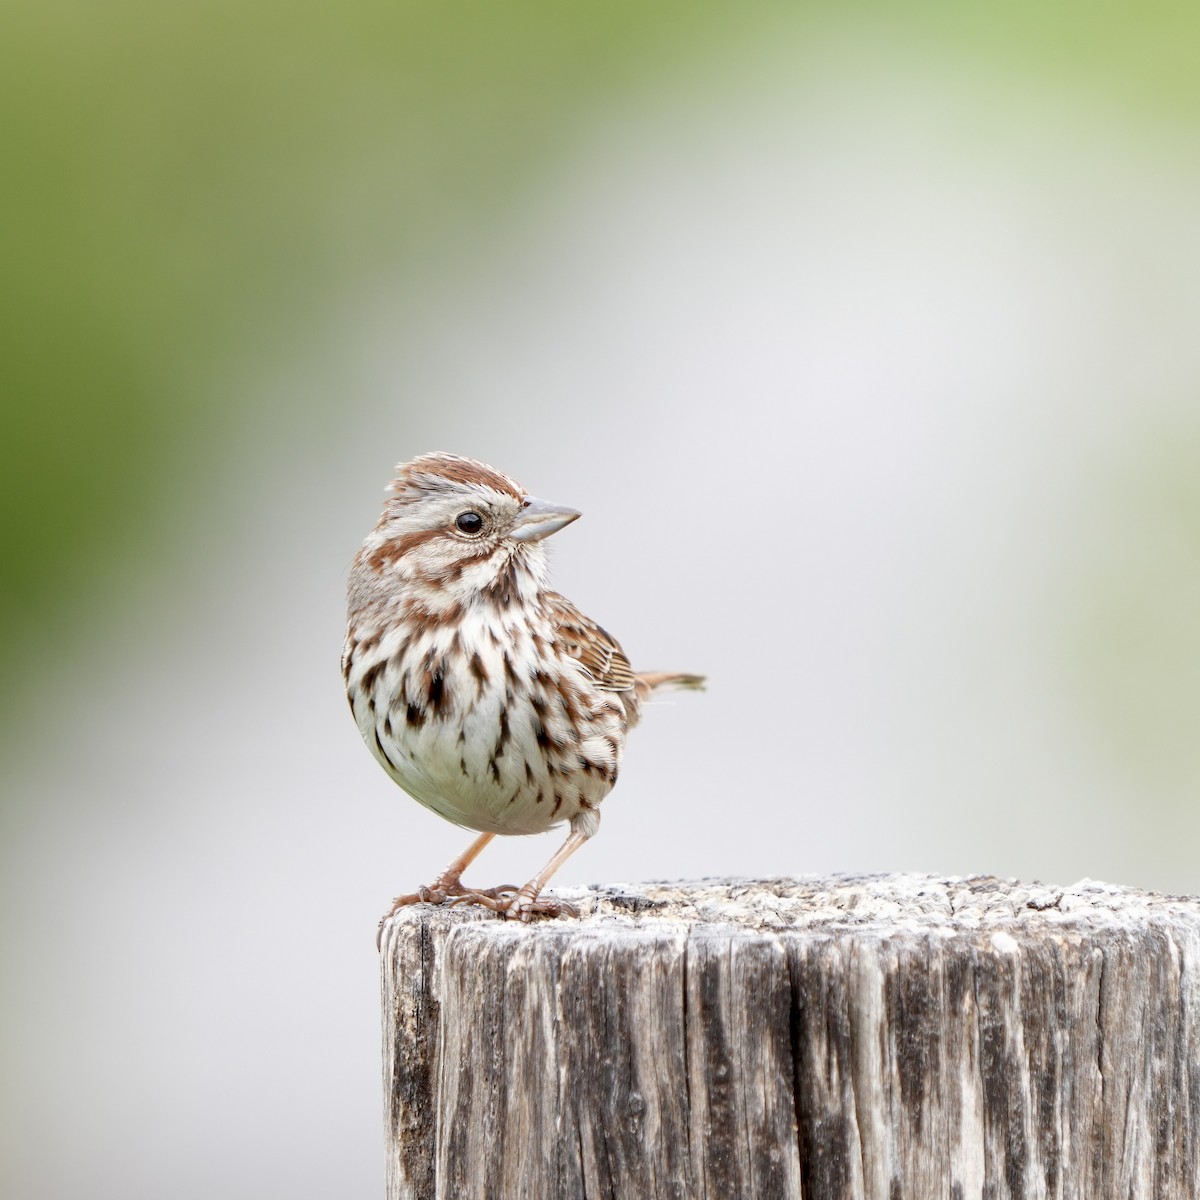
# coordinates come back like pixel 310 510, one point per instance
pixel 528 901
pixel 448 884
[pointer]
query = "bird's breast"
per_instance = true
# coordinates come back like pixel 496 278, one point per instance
pixel 488 724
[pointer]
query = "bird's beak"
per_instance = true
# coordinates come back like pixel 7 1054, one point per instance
pixel 538 520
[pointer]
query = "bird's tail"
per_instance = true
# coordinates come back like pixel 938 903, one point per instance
pixel 653 681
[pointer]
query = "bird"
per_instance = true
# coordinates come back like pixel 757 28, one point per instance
pixel 488 697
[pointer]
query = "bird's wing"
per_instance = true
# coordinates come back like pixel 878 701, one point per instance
pixel 591 645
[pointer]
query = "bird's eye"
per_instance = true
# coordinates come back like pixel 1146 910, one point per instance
pixel 469 522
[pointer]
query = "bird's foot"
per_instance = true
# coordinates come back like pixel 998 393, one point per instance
pixel 443 890
pixel 539 906
pixel 455 893
pixel 523 906
pixel 494 898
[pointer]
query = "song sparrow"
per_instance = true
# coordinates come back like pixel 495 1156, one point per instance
pixel 487 697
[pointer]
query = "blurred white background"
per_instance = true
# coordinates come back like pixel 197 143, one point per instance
pixel 875 378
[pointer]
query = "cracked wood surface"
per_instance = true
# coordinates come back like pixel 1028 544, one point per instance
pixel 889 1038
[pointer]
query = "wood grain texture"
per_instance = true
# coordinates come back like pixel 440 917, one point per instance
pixel 883 1038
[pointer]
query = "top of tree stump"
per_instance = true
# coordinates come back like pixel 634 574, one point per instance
pixel 881 905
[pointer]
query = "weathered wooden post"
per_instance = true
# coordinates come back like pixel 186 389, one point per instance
pixel 891 1038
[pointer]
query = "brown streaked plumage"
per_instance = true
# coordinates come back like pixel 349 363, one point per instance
pixel 489 698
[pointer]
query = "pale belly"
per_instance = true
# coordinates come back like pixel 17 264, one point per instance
pixel 488 756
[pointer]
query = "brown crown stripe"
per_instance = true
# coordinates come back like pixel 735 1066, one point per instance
pixel 457 470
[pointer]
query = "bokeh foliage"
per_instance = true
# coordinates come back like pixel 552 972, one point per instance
pixel 185 183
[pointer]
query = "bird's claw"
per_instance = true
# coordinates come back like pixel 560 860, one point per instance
pixel 542 908
pixel 443 891
pixel 524 906
pixel 488 897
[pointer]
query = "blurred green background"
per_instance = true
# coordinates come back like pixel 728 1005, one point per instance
pixel 189 185
pixel 864 336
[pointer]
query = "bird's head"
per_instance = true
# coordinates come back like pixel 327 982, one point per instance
pixel 455 532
